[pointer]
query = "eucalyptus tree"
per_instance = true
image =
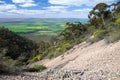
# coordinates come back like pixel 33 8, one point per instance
pixel 115 9
pixel 118 7
pixel 99 14
pixel 73 30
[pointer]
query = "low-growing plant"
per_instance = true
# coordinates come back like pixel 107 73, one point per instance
pixel 36 68
pixel 67 45
pixel 117 21
pixel 36 58
pixel 50 55
pixel 114 36
pixel 58 49
pixel 99 34
pixel 8 66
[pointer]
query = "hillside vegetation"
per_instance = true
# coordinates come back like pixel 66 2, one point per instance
pixel 104 23
pixel 14 49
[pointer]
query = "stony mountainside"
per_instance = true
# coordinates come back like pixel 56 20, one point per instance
pixel 98 61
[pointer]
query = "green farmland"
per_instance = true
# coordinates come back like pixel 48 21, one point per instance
pixel 34 28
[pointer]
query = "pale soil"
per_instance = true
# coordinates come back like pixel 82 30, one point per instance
pixel 98 55
pixel 68 56
pixel 97 61
pixel 98 58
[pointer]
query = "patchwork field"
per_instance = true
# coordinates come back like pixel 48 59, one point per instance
pixel 34 28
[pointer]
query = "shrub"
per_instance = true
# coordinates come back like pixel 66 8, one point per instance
pixel 117 21
pixel 3 67
pixel 58 49
pixel 50 55
pixel 36 58
pixel 67 45
pixel 99 34
pixel 8 66
pixel 114 36
pixel 16 45
pixel 91 29
pixel 36 68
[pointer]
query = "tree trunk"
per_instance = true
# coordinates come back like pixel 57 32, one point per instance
pixel 102 16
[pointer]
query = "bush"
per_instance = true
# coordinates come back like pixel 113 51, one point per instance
pixel 67 45
pixel 114 36
pixel 50 55
pixel 16 45
pixel 99 34
pixel 8 66
pixel 91 29
pixel 117 21
pixel 58 49
pixel 36 58
pixel 36 68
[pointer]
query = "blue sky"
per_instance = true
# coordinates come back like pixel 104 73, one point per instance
pixel 47 8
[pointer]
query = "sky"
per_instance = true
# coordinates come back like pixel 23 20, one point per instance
pixel 48 8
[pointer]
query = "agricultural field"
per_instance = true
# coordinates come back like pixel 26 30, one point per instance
pixel 34 28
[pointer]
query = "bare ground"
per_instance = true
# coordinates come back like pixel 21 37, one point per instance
pixel 99 57
pixel 98 61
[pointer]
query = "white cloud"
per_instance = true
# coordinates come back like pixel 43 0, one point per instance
pixel 10 10
pixel 22 1
pixel 79 2
pixel 1 1
pixel 49 14
pixel 26 12
pixel 6 7
pixel 25 3
pixel 28 5
pixel 56 8
pixel 83 10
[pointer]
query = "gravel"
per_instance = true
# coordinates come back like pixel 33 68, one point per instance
pixel 64 74
pixel 99 61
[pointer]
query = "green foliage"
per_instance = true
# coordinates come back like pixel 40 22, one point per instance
pixel 106 23
pixel 58 49
pixel 102 25
pixel 113 36
pixel 36 58
pixel 67 45
pixel 99 15
pixel 117 21
pixel 36 68
pixel 8 65
pixel 50 55
pixel 91 28
pixel 73 30
pixel 64 45
pixel 43 46
pixel 38 27
pixel 39 67
pixel 13 45
pixel 99 34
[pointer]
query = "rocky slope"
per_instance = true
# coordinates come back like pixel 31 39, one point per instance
pixel 86 61
pixel 98 58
